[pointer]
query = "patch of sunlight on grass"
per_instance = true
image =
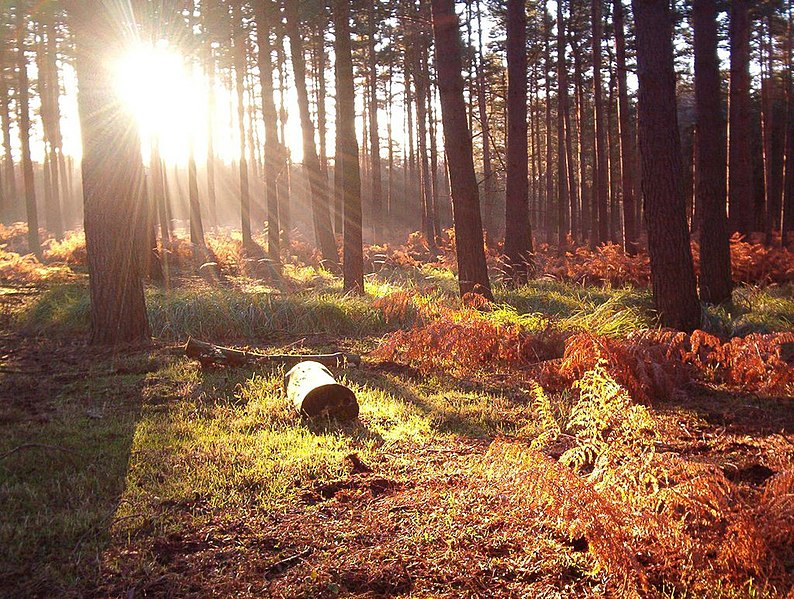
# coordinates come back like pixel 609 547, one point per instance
pixel 230 440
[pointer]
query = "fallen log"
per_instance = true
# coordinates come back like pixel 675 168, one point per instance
pixel 215 355
pixel 312 389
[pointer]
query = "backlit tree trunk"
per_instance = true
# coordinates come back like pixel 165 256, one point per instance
pixel 563 202
pixel 319 187
pixel 600 229
pixel 239 73
pixel 265 12
pixel 626 139
pixel 715 257
pixel 472 270
pixel 518 237
pixel 347 160
pixel 23 106
pixel 672 271
pixel 740 172
pixel 112 182
pixel 374 139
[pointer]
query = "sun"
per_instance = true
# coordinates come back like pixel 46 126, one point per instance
pixel 168 98
pixel 168 94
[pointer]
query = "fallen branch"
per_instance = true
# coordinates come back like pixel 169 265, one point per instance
pixel 215 355
pixel 36 446
pixel 285 563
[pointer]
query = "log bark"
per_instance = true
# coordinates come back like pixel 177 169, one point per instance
pixel 216 355
pixel 312 389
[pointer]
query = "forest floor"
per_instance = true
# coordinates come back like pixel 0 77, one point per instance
pixel 138 473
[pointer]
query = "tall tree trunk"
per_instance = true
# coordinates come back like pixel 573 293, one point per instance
pixel 23 105
pixel 9 177
pixel 319 187
pixel 196 225
pixel 489 187
pixel 239 72
pixel 157 173
pixel 582 130
pixel 212 197
pixel 322 125
pixel 265 12
pixel 600 230
pixel 626 139
pixel 431 121
pixel 787 225
pixel 518 236
pixel 740 175
pixel 563 201
pixel 549 153
pixel 348 158
pixel 285 174
pixel 472 270
pixel 715 257
pixel 420 80
pixel 112 183
pixel 672 271
pixel 374 139
pixel 50 116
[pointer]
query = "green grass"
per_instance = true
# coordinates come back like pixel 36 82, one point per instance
pixel 131 456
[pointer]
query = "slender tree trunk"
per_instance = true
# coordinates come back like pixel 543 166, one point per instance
pixel 740 182
pixel 159 199
pixel 212 199
pixel 787 225
pixel 672 271
pixel 285 164
pixel 348 158
pixel 23 105
pixel 322 125
pixel 600 230
pixel 563 201
pixel 549 154
pixel 626 140
pixel 472 270
pixel 319 188
pixel 112 184
pixel 265 12
pixel 489 187
pixel 239 71
pixel 433 163
pixel 582 130
pixel 50 115
pixel 518 236
pixel 715 257
pixel 374 139
pixel 9 177
pixel 420 80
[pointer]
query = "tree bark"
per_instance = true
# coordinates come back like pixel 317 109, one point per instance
pixel 23 105
pixel 627 149
pixel 518 237
pixel 374 138
pixel 787 225
pixel 600 229
pixel 563 201
pixel 112 182
pixel 420 80
pixel 740 175
pixel 672 271
pixel 319 187
pixel 265 12
pixel 239 72
pixel 348 145
pixel 472 270
pixel 711 191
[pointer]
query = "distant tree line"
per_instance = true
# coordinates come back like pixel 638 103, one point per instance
pixel 598 122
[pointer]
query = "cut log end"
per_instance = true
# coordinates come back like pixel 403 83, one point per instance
pixel 311 388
